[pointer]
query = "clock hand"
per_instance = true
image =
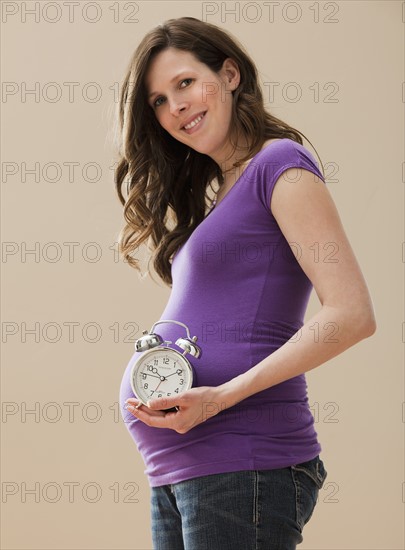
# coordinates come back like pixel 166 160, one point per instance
pixel 163 378
pixel 176 372
pixel 158 385
pixel 153 375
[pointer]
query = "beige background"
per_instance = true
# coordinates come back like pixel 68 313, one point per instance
pixel 71 476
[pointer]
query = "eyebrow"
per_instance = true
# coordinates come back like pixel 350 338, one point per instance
pixel 172 80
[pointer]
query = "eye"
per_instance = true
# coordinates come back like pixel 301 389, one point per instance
pixel 156 104
pixel 185 80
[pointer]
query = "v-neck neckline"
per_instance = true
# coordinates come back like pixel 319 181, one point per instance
pixel 243 173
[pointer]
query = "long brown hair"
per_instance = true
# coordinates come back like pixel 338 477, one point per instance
pixel 166 180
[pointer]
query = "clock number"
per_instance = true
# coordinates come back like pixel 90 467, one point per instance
pixel 179 372
pixel 143 376
pixel 166 360
pixel 181 381
pixel 160 395
pixel 145 386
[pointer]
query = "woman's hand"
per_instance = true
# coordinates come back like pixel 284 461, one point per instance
pixel 195 406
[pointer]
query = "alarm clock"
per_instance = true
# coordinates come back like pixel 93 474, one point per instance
pixel 162 371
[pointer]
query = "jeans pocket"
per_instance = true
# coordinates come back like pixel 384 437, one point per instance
pixel 309 478
pixel 314 469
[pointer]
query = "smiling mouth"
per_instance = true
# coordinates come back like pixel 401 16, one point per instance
pixel 197 123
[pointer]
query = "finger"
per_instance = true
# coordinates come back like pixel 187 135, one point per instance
pixel 151 413
pixel 132 403
pixel 141 407
pixel 163 403
pixel 161 420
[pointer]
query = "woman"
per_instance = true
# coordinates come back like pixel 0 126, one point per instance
pixel 233 463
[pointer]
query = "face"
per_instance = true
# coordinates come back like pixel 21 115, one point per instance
pixel 182 88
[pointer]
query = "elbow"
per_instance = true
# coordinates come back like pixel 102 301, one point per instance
pixel 359 320
pixel 368 325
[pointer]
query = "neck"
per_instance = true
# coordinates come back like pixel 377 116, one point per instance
pixel 226 158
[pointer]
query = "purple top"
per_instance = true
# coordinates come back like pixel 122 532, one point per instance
pixel 239 288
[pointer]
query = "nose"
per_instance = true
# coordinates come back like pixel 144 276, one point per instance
pixel 176 107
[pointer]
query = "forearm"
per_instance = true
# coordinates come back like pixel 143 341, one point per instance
pixel 327 334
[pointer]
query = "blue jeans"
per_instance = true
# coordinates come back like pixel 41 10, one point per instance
pixel 244 510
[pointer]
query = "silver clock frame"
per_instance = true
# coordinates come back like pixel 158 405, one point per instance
pixel 135 371
pixel 150 342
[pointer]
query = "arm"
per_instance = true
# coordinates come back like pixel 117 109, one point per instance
pixel 307 215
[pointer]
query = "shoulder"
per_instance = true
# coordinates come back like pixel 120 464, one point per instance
pixel 278 156
pixel 285 147
pixel 281 160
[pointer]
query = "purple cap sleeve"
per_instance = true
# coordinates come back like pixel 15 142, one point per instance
pixel 277 159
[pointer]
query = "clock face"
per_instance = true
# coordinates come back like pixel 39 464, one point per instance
pixel 160 372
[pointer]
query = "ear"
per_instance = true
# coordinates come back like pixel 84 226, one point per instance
pixel 230 73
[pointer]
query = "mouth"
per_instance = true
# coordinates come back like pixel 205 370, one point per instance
pixel 201 117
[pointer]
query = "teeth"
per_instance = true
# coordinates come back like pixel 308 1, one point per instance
pixel 194 122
